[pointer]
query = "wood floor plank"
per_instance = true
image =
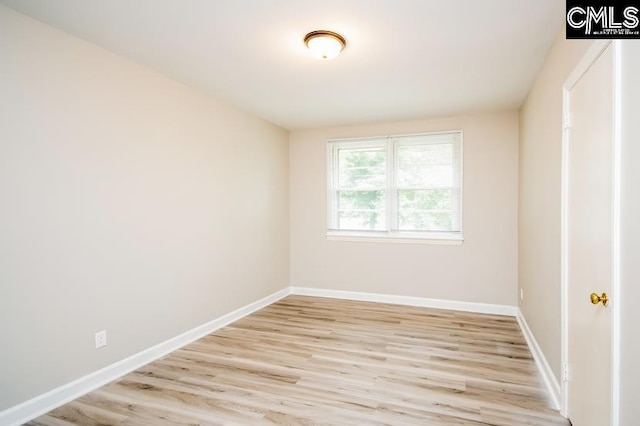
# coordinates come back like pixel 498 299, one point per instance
pixel 316 361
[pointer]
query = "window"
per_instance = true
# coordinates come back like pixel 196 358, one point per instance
pixel 396 187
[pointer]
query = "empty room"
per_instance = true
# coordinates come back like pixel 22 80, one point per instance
pixel 355 212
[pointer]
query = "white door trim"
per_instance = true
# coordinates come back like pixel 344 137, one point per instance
pixel 589 58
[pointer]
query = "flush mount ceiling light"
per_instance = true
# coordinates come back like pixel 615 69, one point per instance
pixel 324 44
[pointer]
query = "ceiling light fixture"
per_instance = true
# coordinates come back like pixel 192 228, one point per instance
pixel 324 44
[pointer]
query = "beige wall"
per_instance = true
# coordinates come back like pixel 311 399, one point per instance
pixel 482 269
pixel 539 197
pixel 129 203
pixel 630 234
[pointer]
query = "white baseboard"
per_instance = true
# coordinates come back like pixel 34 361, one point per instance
pixel 482 308
pixel 41 404
pixel 541 361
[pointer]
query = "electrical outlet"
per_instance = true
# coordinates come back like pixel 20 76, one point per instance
pixel 101 339
pixel 521 294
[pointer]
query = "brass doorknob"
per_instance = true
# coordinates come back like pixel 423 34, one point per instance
pixel 595 299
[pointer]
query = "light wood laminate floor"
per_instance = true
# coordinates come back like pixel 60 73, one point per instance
pixel 316 361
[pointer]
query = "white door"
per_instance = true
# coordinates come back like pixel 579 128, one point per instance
pixel 589 243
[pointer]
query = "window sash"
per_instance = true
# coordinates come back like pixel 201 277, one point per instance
pixel 452 140
pixel 392 189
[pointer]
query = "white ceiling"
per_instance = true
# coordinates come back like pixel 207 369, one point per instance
pixel 405 59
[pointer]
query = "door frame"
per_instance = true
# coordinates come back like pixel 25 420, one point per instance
pixel 581 68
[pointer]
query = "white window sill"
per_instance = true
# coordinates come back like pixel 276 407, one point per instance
pixel 396 237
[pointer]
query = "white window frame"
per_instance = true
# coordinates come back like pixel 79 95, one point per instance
pixel 389 235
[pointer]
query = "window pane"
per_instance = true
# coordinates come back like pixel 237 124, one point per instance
pixel 424 199
pixel 425 165
pixel 361 210
pixel 425 210
pixel 424 221
pixel 362 168
pixel 354 220
pixel 361 200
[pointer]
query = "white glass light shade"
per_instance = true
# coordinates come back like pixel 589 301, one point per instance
pixel 324 44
